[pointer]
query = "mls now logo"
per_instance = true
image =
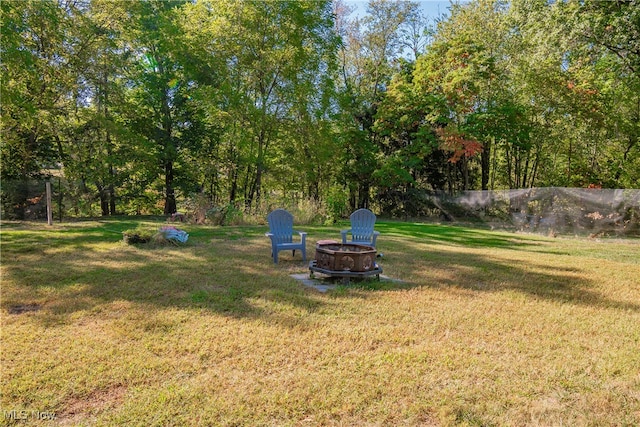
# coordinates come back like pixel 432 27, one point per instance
pixel 16 415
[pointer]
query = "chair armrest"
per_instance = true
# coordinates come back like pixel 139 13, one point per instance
pixel 303 234
pixel 374 237
pixel 344 233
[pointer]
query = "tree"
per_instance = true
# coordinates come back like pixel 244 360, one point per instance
pixel 279 60
pixel 44 44
pixel 92 151
pixel 467 66
pixel 411 161
pixel 368 58
pixel 578 66
pixel 159 89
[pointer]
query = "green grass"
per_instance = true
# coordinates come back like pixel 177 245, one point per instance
pixel 486 328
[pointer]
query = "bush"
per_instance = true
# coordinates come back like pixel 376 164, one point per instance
pixel 308 211
pixel 137 235
pixel 228 214
pixel 337 204
pixel 197 208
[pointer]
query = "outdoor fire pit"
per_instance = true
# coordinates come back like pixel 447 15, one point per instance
pixel 345 260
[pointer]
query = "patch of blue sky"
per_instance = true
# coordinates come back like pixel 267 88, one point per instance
pixel 432 9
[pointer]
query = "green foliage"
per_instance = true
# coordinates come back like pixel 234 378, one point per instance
pixel 140 234
pixel 405 122
pixel 142 104
pixel 231 215
pixel 36 77
pixel 337 204
pixel 308 211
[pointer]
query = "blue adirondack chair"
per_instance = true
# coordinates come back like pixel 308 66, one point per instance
pixel 281 234
pixel 362 232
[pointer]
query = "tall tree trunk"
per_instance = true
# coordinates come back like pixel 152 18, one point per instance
pixel 465 173
pixel 112 175
pixel 233 168
pixel 509 166
pixel 234 185
pixel 104 199
pixel 257 185
pixel 534 172
pixel 526 169
pixel 170 197
pixel 353 204
pixel 485 159
pixel 112 198
pixel 569 164
pixel 168 147
pixel 363 195
pixel 246 195
pixel 494 167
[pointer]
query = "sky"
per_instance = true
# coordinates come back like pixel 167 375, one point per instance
pixel 431 8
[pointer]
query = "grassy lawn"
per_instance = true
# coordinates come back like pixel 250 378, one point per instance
pixel 486 328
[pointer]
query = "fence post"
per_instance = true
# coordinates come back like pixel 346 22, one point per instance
pixel 49 210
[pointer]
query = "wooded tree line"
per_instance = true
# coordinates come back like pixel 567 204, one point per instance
pixel 142 105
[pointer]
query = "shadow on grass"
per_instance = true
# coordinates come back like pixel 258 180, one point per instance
pixel 82 266
pixel 229 270
pixel 452 234
pixel 478 274
pixel 443 266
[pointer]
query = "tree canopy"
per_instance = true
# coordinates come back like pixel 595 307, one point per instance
pixel 144 106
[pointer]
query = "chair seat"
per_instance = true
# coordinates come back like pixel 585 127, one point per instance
pixel 289 246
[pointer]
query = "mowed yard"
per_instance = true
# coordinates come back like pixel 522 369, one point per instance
pixel 485 328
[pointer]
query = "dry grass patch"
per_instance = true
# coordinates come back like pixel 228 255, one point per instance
pixel 487 329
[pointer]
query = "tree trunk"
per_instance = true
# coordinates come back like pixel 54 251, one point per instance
pixel 485 159
pixel 112 200
pixel 104 200
pixel 363 193
pixel 509 167
pixel 568 183
pixel 258 185
pixel 353 197
pixel 170 197
pixel 465 173
pixel 234 185
pixel 112 177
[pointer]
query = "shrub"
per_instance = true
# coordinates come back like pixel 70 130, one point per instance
pixel 228 214
pixel 337 204
pixel 137 235
pixel 308 211
pixel 197 208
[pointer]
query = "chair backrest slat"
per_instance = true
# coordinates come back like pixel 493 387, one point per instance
pixel 281 225
pixel 362 224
